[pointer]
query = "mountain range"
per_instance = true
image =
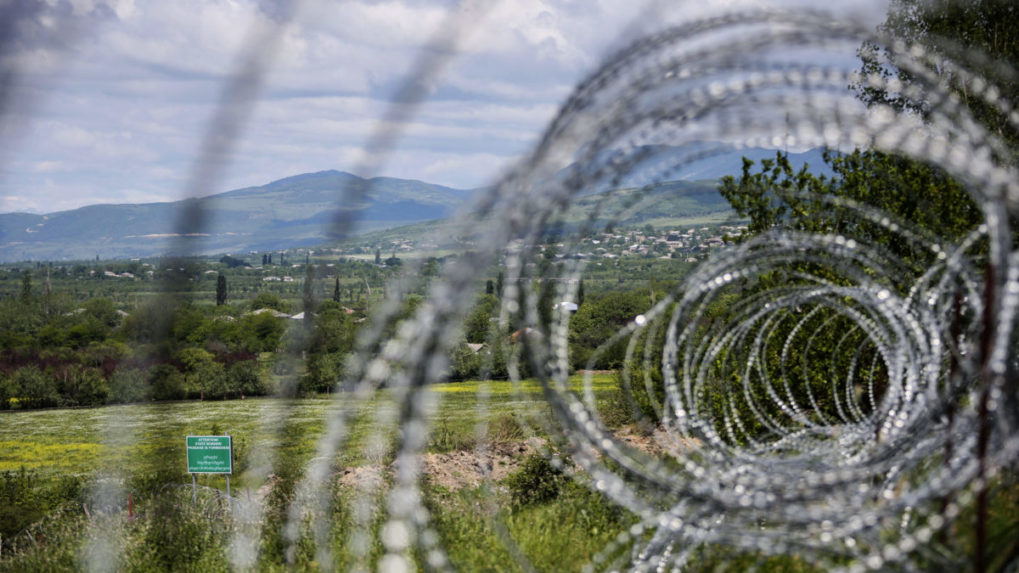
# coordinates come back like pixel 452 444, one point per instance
pixel 296 212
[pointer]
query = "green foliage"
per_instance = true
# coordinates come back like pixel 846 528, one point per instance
pixel 597 320
pixel 478 324
pixel 261 332
pixel 776 197
pixel 9 390
pixel 331 340
pixel 151 321
pixel 36 389
pixel 538 480
pixel 232 262
pixel 269 300
pixel 308 293
pixel 26 498
pixel 220 290
pixel 129 385
pixel 947 29
pixel 167 383
pixel 203 377
pixel 715 558
pixel 175 535
pixel 464 362
pixel 83 386
pixel 26 286
pixel 560 536
pixel 246 378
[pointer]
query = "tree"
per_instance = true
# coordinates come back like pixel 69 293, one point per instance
pixel 232 262
pixel 269 300
pixel 923 196
pixel 489 287
pixel 36 389
pixel 598 320
pixel 950 31
pixel 336 290
pixel 128 385
pixel 776 196
pixel 478 322
pixel 9 389
pixel 378 256
pixel 332 339
pixel 26 286
pixel 308 297
pixel 246 379
pixel 167 383
pixel 261 332
pixel 220 290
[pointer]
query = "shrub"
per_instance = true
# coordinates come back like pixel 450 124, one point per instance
pixel 25 498
pixel 537 481
pixel 37 389
pixel 128 385
pixel 167 383
pixel 246 378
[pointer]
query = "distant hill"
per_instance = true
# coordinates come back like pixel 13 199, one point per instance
pixel 291 212
pixel 297 211
pixel 721 160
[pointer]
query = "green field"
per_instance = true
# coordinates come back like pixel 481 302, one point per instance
pixel 135 441
pixel 122 438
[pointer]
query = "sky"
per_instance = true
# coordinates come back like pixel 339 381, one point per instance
pixel 117 101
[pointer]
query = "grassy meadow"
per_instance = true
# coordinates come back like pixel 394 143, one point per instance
pixel 58 452
pixel 115 438
pixel 528 516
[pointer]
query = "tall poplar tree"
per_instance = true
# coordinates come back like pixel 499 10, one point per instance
pixel 220 290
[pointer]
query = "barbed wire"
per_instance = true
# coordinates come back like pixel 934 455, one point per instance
pixel 918 423
pixel 919 377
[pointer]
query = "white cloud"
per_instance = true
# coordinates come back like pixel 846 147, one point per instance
pixel 120 114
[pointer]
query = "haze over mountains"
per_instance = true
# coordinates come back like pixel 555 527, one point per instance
pixel 291 212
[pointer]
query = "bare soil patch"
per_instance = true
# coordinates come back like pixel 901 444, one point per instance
pixel 470 468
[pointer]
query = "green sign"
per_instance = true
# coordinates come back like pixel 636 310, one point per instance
pixel 210 455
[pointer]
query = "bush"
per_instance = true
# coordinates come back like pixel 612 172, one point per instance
pixel 83 387
pixel 464 363
pixel 167 383
pixel 25 499
pixel 8 390
pixel 537 481
pixel 128 385
pixel 37 389
pixel 246 378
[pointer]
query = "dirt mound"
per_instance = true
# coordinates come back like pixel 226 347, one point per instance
pixel 366 478
pixel 469 468
pixel 460 469
pixel 453 470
